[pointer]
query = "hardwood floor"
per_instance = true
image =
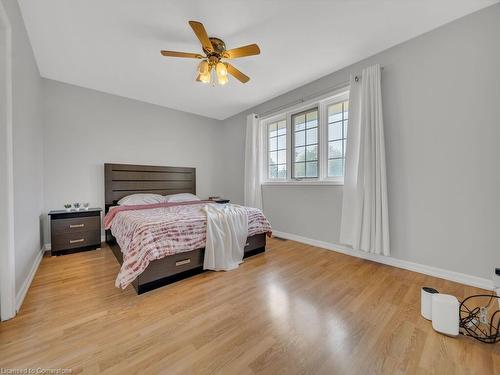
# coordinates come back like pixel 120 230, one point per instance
pixel 294 309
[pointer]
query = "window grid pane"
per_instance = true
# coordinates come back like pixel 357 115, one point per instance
pixel 277 150
pixel 337 136
pixel 306 145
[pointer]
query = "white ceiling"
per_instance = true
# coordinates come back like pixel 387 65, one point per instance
pixel 114 45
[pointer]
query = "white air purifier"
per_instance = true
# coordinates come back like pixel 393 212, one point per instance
pixel 426 302
pixel 445 314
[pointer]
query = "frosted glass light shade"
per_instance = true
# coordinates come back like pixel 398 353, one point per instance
pixel 221 69
pixel 222 80
pixel 203 67
pixel 205 78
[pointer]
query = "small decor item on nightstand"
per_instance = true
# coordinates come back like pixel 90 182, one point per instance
pixel 86 206
pixel 213 198
pixel 67 206
pixel 77 206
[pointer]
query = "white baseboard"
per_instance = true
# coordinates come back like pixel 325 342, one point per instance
pixel 27 282
pixel 458 277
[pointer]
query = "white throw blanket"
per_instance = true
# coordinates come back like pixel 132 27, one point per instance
pixel 227 230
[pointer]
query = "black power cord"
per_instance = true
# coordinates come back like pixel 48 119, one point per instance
pixel 474 323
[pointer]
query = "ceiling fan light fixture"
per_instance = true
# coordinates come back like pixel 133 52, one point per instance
pixel 205 77
pixel 221 69
pixel 222 80
pixel 203 67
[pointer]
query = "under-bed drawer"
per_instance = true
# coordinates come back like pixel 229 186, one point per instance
pixel 172 265
pixel 255 242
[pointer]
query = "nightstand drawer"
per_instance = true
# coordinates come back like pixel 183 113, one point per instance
pixel 75 225
pixel 74 240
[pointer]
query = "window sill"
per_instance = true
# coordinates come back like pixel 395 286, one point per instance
pixel 304 183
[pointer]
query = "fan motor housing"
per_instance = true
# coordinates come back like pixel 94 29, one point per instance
pixel 218 45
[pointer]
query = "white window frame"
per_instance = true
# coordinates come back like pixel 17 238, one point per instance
pixel 324 145
pixel 322 103
pixel 292 143
pixel 266 124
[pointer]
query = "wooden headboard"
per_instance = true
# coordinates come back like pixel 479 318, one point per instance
pixel 121 180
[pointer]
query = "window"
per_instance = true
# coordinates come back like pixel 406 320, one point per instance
pixel 337 133
pixel 305 144
pixel 277 149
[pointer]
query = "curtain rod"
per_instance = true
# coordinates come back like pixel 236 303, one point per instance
pixel 310 96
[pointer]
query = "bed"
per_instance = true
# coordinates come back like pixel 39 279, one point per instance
pixel 126 179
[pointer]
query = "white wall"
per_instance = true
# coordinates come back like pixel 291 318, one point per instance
pixel 27 147
pixel 7 263
pixel 85 129
pixel 441 96
pixel 5 140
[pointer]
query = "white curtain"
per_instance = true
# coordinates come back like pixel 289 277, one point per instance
pixel 253 162
pixel 365 219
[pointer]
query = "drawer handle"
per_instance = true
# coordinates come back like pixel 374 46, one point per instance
pixel 76 225
pixel 182 262
pixel 76 241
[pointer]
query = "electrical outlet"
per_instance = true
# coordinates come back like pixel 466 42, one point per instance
pixel 496 278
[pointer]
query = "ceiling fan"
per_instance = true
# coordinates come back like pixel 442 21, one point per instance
pixel 215 51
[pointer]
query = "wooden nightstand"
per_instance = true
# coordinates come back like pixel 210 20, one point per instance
pixel 75 231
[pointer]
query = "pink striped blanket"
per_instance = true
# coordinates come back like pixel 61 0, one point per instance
pixel 154 231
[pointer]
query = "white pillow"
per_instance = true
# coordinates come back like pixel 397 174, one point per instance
pixel 136 199
pixel 183 197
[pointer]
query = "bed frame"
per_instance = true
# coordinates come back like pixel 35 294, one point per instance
pixel 121 180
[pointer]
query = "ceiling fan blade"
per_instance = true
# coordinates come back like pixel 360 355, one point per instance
pixel 202 35
pixel 181 54
pixel 250 50
pixel 236 73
